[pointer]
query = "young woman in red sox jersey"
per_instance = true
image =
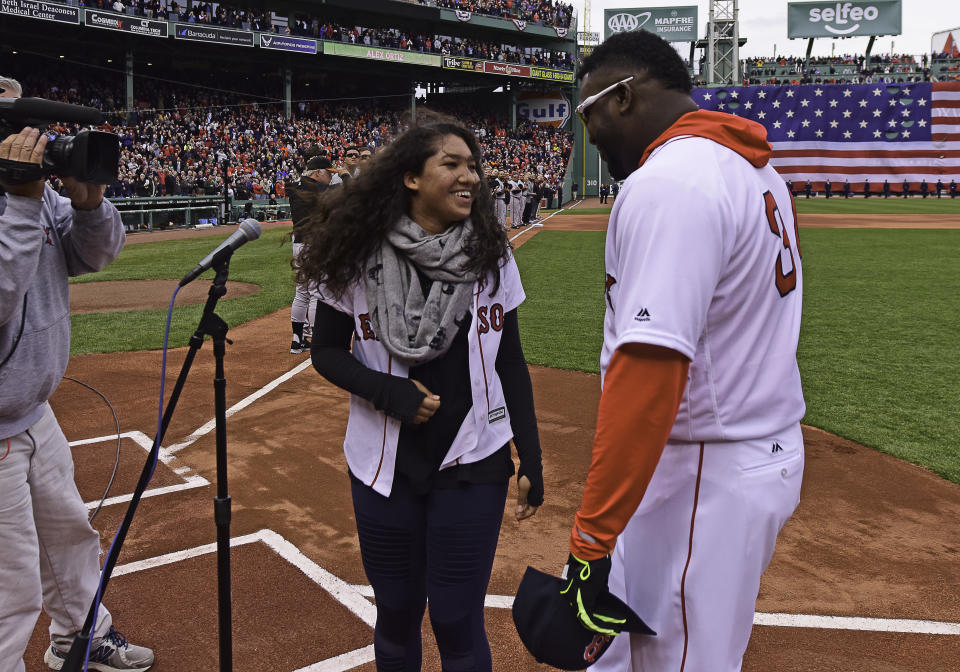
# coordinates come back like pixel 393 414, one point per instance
pixel 416 274
pixel 698 455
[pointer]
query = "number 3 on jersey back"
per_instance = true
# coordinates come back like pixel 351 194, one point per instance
pixel 786 282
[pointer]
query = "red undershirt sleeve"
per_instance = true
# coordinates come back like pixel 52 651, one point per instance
pixel 641 395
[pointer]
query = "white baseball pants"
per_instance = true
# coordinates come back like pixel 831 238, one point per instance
pixel 49 554
pixel 500 208
pixel 305 298
pixel 516 209
pixel 690 560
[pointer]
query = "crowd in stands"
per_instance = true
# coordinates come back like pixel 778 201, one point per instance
pixel 204 143
pixel 395 38
pixel 836 69
pixel 540 12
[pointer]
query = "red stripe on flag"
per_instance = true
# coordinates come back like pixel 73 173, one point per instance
pixel 945 137
pixel 867 169
pixel 946 86
pixel 875 154
pixel 946 103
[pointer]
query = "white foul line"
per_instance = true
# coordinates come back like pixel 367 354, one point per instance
pixel 853 623
pixel 239 406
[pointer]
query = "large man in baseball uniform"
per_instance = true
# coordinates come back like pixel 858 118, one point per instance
pixel 698 455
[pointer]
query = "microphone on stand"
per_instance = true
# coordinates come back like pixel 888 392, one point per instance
pixel 249 230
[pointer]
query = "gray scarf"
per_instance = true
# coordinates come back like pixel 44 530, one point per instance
pixel 412 327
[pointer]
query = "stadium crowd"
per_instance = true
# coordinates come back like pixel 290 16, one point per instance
pixel 178 143
pixel 882 68
pixel 395 38
pixel 539 12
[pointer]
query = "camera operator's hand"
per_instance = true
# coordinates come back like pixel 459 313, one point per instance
pixel 26 146
pixel 83 195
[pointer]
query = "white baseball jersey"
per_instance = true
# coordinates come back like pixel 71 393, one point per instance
pixel 707 263
pixel 370 444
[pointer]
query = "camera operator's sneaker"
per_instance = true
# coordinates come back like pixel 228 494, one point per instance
pixel 112 653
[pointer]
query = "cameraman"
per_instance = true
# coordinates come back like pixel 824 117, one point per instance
pixel 48 550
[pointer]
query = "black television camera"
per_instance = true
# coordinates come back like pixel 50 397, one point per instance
pixel 88 156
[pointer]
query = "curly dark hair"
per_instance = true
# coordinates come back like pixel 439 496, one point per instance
pixel 348 223
pixel 641 50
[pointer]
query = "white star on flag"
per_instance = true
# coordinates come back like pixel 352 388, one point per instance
pixel 804 102
pixel 863 103
pixel 906 134
pixel 847 134
pixel 789 93
pixel 761 115
pixel 834 123
pixel 819 133
pixel 777 124
pixel 706 96
pixel 819 113
pixel 846 114
pixel 790 134
pixel 847 93
pixel 734 94
pixel 761 94
pixel 877 92
pixel 863 124
pixel 876 134
pixel 776 103
pixel 789 114
pixel 922 102
pixel 818 92
pixel 833 103
pixel 806 122
pixel 748 105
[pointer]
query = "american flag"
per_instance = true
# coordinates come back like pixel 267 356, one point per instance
pixel 853 132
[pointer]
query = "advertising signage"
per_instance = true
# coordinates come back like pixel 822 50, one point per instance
pixel 213 35
pixel 301 45
pixel 551 75
pixel 125 24
pixel 674 24
pixel 47 11
pixel 844 19
pixel 465 64
pixel 380 54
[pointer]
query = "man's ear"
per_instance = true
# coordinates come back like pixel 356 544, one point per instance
pixel 411 181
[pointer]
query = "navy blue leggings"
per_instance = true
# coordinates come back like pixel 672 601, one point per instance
pixel 438 546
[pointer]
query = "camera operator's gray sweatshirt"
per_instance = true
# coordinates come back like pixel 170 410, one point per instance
pixel 42 242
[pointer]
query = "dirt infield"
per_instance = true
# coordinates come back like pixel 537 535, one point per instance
pixel 873 538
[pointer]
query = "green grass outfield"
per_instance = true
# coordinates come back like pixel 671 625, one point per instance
pixel 848 206
pixel 263 262
pixel 879 352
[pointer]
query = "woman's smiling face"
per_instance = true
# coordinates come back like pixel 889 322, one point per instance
pixel 444 191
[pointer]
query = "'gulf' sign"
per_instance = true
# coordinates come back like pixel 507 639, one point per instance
pixel 551 109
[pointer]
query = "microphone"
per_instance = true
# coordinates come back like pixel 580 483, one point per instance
pixel 249 230
pixel 40 112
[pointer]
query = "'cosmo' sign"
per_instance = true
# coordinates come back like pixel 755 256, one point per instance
pixel 844 19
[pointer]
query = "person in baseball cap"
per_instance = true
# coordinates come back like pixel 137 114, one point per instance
pixel 554 634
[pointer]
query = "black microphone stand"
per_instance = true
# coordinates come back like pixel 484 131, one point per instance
pixel 211 325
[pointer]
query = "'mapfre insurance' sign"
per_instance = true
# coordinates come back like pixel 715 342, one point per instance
pixel 844 19
pixel 674 24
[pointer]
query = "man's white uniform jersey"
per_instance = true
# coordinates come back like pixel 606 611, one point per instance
pixel 737 290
